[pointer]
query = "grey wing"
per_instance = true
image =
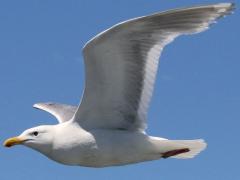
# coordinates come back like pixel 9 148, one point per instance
pixel 121 65
pixel 62 112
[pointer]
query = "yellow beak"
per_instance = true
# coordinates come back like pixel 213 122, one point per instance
pixel 12 141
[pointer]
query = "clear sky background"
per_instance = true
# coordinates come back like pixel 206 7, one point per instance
pixel 197 92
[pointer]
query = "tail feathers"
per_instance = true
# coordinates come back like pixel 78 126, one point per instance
pixel 184 149
pixel 195 147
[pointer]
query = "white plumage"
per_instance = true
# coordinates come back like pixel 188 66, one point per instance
pixel 108 127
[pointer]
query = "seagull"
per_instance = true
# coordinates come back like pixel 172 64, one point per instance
pixel 108 128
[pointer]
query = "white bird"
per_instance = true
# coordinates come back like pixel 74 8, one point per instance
pixel 108 127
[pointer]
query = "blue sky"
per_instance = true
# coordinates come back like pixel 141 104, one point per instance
pixel 197 92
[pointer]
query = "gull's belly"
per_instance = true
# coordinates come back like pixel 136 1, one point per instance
pixel 101 148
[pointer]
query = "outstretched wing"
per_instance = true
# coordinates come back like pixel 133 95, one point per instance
pixel 62 112
pixel 121 65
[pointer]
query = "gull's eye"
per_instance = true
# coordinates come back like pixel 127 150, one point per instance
pixel 35 133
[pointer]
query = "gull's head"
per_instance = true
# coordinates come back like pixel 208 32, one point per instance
pixel 39 138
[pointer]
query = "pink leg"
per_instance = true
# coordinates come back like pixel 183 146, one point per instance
pixel 174 152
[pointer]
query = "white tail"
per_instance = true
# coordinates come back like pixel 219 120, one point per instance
pixel 181 149
pixel 194 146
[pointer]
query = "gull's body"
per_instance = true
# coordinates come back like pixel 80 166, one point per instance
pixel 99 147
pixel 108 127
pixel 105 147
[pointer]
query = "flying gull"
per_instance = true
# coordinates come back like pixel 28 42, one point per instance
pixel 108 127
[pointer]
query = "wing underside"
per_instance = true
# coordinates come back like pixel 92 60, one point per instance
pixel 121 65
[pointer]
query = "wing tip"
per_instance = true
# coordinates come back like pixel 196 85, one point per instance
pixel 37 105
pixel 225 8
pixel 41 105
pixel 225 5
